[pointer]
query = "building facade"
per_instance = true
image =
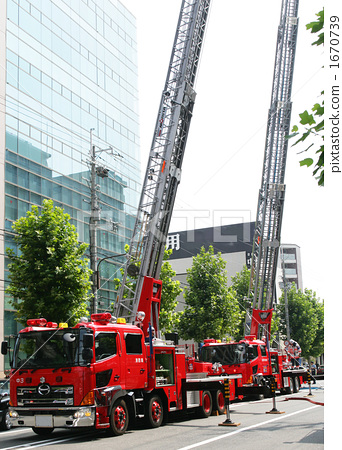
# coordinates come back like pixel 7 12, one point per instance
pixel 289 268
pixel 67 68
pixel 235 243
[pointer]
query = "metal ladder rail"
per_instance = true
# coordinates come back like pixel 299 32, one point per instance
pixel 162 175
pixel 271 195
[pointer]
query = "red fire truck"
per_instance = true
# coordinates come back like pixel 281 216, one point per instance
pixel 104 374
pixel 256 364
pixel 252 357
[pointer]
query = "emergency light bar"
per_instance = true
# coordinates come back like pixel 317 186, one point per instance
pixel 36 322
pixel 101 317
pixel 43 323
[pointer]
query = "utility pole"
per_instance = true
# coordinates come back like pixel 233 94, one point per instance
pixel 94 216
pixel 102 172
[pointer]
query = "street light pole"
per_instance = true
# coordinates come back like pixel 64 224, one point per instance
pixel 104 259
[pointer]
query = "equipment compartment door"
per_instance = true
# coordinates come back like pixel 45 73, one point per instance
pixel 165 372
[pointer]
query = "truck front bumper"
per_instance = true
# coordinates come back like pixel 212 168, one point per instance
pixel 71 417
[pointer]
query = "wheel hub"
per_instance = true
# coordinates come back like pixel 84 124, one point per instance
pixel 156 411
pixel 120 417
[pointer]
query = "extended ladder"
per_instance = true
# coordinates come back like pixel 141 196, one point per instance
pixel 166 156
pixel 272 193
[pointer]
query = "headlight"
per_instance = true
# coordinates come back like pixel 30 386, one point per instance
pixel 13 414
pixel 82 413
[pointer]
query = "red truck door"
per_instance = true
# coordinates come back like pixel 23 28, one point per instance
pixel 107 358
pixel 135 365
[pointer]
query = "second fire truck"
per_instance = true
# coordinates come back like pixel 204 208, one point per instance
pixel 252 357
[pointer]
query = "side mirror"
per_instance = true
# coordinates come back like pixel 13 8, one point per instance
pixel 87 354
pixel 4 347
pixel 250 354
pixel 88 341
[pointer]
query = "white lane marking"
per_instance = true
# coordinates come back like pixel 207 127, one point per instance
pixel 222 436
pixel 43 443
pixel 17 430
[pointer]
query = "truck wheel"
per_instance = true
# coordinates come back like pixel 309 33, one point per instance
pixel 207 405
pixel 42 431
pixel 219 402
pixel 118 418
pixel 296 384
pixel 6 422
pixel 289 389
pixel 155 413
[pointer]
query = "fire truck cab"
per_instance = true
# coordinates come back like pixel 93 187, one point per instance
pixel 256 363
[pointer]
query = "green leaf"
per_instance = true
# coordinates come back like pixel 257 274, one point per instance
pixel 304 136
pixel 306 162
pixel 317 26
pixel 290 136
pixel 307 119
pixel 318 109
pixel 320 40
pixel 319 127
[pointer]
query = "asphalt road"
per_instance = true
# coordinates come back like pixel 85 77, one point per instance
pixel 298 425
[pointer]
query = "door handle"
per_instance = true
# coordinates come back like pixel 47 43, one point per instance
pixel 142 370
pixel 116 377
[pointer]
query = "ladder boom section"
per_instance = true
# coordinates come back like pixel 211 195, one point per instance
pixel 272 193
pixel 163 170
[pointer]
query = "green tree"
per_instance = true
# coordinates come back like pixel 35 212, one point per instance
pixel 306 317
pixel 168 317
pixel 311 129
pixel 49 277
pixel 239 288
pixel 317 347
pixel 211 310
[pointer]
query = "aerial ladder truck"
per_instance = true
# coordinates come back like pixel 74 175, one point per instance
pixel 163 173
pixel 252 356
pixel 111 371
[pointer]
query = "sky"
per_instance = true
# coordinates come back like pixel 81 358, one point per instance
pixel 222 168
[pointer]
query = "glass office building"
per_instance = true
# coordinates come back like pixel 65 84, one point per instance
pixel 67 67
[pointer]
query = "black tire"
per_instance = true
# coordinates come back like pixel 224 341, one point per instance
pixel 206 407
pixel 296 384
pixel 155 412
pixel 42 431
pixel 119 418
pixel 219 402
pixel 289 389
pixel 6 422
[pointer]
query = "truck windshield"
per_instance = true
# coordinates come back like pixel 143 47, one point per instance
pixel 225 354
pixel 47 348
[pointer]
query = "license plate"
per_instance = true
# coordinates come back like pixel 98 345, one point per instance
pixel 44 421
